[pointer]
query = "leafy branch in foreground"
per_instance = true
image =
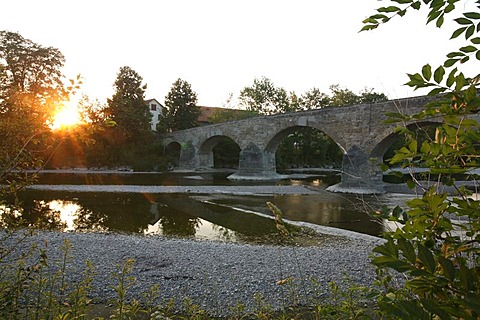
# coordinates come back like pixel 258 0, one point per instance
pixel 435 252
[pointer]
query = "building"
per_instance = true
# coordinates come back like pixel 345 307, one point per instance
pixel 221 114
pixel 205 118
pixel 157 110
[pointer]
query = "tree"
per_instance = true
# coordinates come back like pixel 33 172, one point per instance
pixel 182 110
pixel 339 97
pixel 314 99
pixel 27 68
pixel 342 96
pixel 369 96
pixel 127 107
pixel 31 87
pixel 438 255
pixel 263 97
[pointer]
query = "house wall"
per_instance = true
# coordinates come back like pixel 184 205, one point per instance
pixel 157 111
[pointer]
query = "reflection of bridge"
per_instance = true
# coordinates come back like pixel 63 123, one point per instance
pixel 359 130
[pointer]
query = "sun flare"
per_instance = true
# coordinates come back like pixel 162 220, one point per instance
pixel 65 117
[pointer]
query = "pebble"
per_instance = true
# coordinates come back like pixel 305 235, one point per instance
pixel 214 275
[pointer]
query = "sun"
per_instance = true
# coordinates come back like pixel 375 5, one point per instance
pixel 66 116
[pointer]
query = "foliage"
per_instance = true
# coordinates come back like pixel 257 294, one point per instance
pixel 229 112
pixel 30 77
pixel 127 107
pixel 338 97
pixel 226 154
pixel 224 115
pixel 264 97
pixel 308 147
pixel 35 287
pixel 30 89
pixel 182 110
pixel 124 281
pixel 437 244
pixel 314 99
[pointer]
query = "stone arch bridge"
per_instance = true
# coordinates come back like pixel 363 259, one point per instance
pixel 359 130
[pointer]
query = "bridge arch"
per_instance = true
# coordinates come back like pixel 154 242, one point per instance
pixel 219 151
pixel 322 147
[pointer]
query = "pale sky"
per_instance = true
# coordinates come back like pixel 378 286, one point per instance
pixel 220 46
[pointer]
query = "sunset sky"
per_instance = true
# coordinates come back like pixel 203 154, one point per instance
pixel 220 46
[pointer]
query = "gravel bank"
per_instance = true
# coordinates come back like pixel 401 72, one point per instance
pixel 238 190
pixel 215 275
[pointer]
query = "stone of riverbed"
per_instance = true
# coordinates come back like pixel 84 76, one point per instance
pixel 215 275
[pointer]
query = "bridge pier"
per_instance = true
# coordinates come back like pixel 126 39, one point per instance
pixel 255 164
pixel 360 174
pixel 188 159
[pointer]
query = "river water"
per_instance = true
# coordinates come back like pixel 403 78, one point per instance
pixel 228 217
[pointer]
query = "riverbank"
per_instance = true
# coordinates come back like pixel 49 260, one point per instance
pixel 214 275
pixel 238 190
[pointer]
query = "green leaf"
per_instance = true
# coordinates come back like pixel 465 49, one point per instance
pixel 455 54
pixel 426 257
pixel 468 49
pixel 378 17
pixel 411 184
pixel 463 21
pixel 477 55
pixel 451 77
pixel 413 310
pixel 416 5
pixel 450 62
pixel 472 15
pixel 438 74
pixel 427 72
pixel 388 9
pixel 391 262
pixel 440 21
pixel 449 8
pixel 432 15
pixel 475 40
pixel 412 146
pixel 469 32
pixel 388 249
pixel 433 307
pixel 436 91
pixel 461 81
pixel 471 300
pixel 397 212
pixel 370 19
pixel 407 250
pixel 369 27
pixel 448 267
pixel 458 32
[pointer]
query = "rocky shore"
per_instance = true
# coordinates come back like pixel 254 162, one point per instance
pixel 214 275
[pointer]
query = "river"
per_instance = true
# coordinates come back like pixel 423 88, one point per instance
pixel 228 214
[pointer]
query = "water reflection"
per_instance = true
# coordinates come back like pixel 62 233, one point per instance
pixel 219 217
pixel 335 210
pixel 172 215
pixel 68 212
